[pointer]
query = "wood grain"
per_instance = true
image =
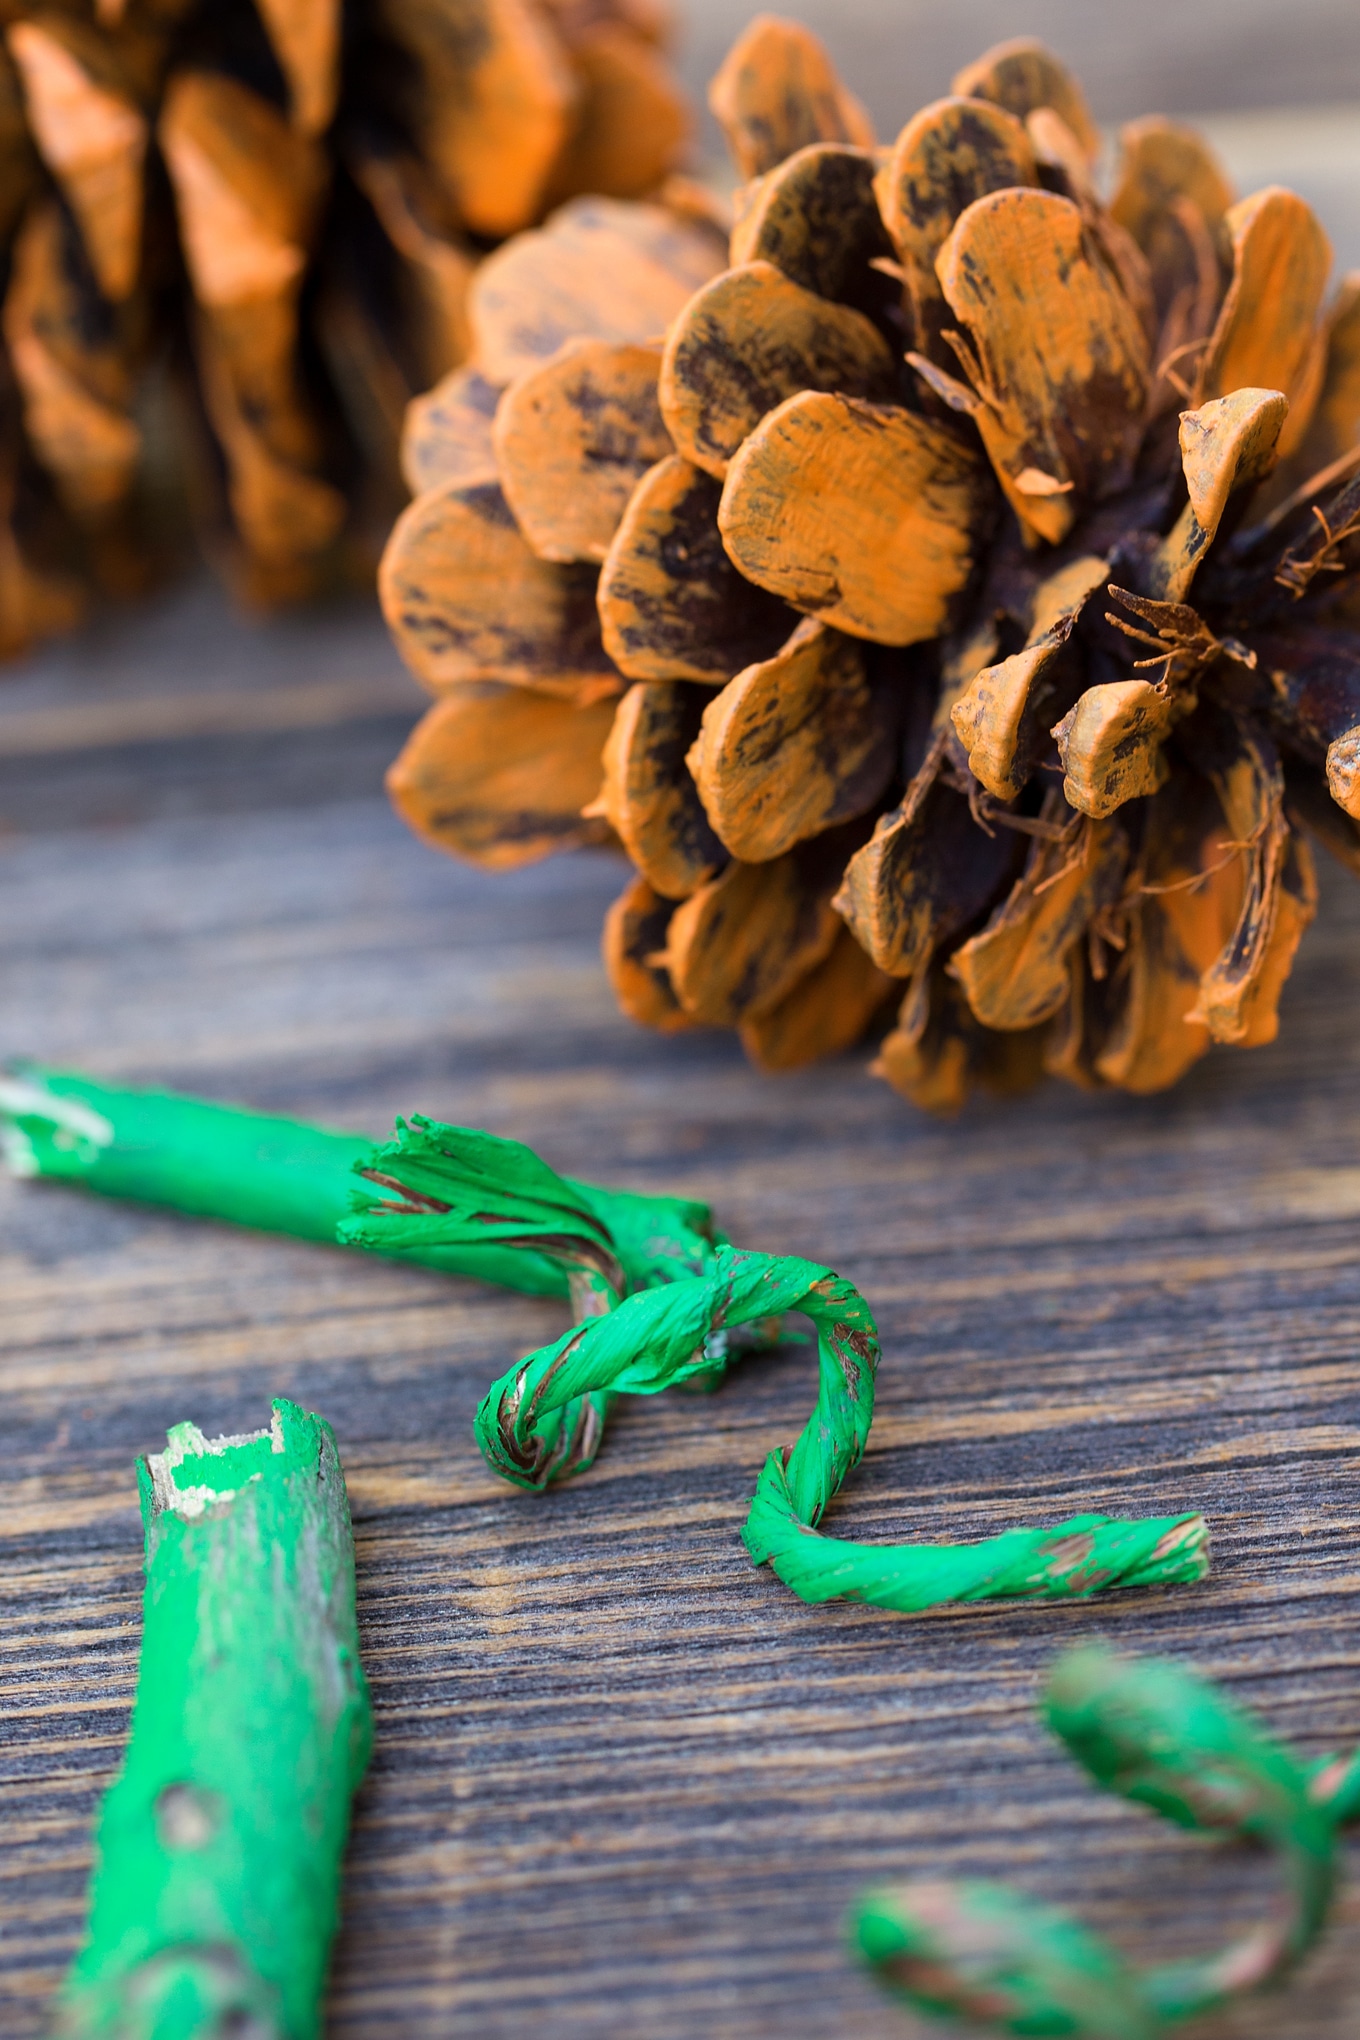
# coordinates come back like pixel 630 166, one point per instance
pixel 623 1784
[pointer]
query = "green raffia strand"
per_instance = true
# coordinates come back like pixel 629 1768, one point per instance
pixel 218 1851
pixel 665 1302
pixel 435 1188
pixel 283 1176
pixel 1158 1734
pixel 657 1339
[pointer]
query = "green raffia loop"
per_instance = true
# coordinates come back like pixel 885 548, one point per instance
pixel 449 1187
pixel 1158 1734
pixel 656 1339
pixel 218 1851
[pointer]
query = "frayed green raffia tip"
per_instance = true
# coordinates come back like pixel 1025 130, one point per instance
pixel 664 1302
pixel 215 1894
pixel 435 1191
pixel 1159 1735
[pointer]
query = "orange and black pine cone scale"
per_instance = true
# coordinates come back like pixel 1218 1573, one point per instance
pixel 238 237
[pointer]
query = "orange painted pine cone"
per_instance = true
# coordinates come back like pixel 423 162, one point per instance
pixel 245 230
pixel 945 594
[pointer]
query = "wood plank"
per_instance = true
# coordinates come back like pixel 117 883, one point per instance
pixel 623 1783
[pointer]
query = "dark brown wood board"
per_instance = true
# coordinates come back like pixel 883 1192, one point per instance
pixel 624 1784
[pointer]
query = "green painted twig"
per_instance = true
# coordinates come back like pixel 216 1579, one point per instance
pixel 446 1197
pixel 1158 1734
pixel 654 1340
pixel 218 1852
pixel 665 1303
pixel 284 1176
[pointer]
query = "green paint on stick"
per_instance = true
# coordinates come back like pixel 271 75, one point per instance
pixel 285 1176
pixel 215 1894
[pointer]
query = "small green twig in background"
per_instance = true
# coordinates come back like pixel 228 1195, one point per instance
pixel 215 1893
pixel 1158 1734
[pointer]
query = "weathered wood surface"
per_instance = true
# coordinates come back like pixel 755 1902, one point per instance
pixel 623 1784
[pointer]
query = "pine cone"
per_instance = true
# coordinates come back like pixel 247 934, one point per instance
pixel 248 231
pixel 982 558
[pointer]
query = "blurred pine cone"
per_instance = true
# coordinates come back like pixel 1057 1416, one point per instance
pixel 982 557
pixel 240 238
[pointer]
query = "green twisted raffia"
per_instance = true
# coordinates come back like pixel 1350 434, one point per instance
pixel 664 1301
pixel 656 1339
pixel 1158 1734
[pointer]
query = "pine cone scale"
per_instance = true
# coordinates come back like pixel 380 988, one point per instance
pixel 860 514
pixel 572 441
pixel 672 604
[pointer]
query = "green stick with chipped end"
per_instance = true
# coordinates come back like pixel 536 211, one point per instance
pixel 282 1175
pixel 215 1894
pixel 449 1198
pixel 1155 1733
